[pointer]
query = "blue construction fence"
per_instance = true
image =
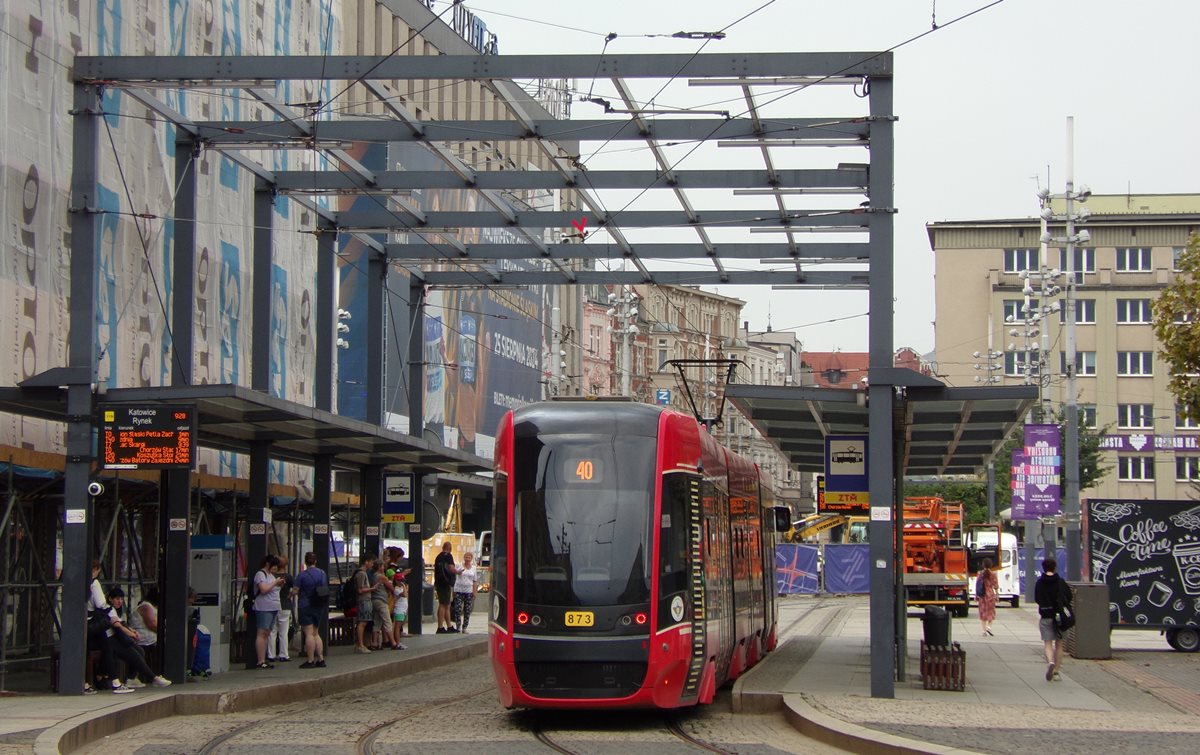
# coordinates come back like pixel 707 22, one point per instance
pixel 800 570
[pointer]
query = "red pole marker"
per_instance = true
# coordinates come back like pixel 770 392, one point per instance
pixel 580 224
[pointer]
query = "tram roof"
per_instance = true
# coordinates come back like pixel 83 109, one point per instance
pixel 233 417
pixel 946 430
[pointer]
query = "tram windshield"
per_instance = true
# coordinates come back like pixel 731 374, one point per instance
pixel 582 516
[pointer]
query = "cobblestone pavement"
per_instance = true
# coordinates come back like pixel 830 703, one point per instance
pixel 451 709
pixel 1009 729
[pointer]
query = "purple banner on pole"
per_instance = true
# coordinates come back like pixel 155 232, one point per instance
pixel 1016 481
pixel 1043 470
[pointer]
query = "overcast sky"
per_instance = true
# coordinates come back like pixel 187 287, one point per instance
pixel 982 106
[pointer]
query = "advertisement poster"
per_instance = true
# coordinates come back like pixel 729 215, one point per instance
pixel 1043 470
pixel 1148 553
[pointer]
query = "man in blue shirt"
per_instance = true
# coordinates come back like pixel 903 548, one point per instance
pixel 312 591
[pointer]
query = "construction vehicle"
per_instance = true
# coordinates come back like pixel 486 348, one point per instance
pixel 941 555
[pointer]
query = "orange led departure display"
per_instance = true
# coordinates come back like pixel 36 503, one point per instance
pixel 147 437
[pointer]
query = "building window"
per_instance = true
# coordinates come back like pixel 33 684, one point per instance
pixel 1087 415
pixel 1183 422
pixel 1176 253
pixel 1016 260
pixel 1135 468
pixel 1133 311
pixel 663 353
pixel 1135 416
pixel 1014 309
pixel 1187 468
pixel 1135 363
pixel 1182 318
pixel 1085 312
pixel 1085 262
pixel 1133 259
pixel 1014 363
pixel 1085 363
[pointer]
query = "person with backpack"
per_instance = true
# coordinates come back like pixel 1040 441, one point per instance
pixel 1053 596
pixel 986 587
pixel 445 573
pixel 312 600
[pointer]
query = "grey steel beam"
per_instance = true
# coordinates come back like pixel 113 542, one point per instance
pixel 324 321
pixel 77 504
pixel 261 300
pixel 289 131
pixel 296 181
pixel 381 218
pixel 174 484
pixel 667 169
pixel 738 251
pixel 247 71
pixel 886 581
pixel 665 277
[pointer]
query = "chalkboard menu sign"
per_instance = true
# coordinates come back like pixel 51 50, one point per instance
pixel 147 437
pixel 1148 553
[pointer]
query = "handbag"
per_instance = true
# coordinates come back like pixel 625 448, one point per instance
pixel 98 622
pixel 1064 619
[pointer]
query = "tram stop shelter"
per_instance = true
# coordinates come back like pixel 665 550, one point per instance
pixel 932 429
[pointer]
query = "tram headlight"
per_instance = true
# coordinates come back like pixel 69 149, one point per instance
pixel 626 621
pixel 522 618
pixel 640 618
pixel 536 620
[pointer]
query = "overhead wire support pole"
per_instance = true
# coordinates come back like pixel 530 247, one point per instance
pixel 1071 460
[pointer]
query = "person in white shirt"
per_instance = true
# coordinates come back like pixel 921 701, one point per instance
pixel 464 593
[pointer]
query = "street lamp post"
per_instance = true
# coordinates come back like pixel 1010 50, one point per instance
pixel 1070 406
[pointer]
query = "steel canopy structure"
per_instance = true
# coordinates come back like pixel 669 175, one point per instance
pixel 681 226
pixel 944 431
pixel 844 184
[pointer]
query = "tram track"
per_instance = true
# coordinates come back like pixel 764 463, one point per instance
pixel 554 739
pixel 365 744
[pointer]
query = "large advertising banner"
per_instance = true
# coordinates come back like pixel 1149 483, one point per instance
pixel 1043 470
pixel 1148 553
pixel 136 240
pixel 482 346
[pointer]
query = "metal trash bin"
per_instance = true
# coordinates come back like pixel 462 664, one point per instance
pixel 427 596
pixel 1089 638
pixel 935 623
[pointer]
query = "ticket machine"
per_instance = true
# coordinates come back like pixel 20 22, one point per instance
pixel 212 579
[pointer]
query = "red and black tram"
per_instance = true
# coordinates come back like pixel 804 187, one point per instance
pixel 632 559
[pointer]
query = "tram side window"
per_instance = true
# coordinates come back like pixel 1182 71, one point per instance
pixel 500 537
pixel 675 535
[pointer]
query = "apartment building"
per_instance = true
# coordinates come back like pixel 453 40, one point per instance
pixel 981 333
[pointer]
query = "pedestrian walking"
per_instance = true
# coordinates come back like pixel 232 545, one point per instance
pixel 312 602
pixel 986 587
pixel 1052 594
pixel 465 585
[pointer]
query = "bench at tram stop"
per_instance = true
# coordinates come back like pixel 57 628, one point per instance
pixel 943 667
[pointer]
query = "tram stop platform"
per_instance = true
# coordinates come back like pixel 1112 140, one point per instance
pixel 818 678
pixel 1146 695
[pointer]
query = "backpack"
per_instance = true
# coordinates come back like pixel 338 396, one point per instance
pixel 981 585
pixel 348 597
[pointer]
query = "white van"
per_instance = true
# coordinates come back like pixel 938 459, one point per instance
pixel 1009 582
